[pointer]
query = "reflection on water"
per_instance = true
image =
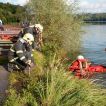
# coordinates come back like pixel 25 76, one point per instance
pixel 93 47
pixel 94 43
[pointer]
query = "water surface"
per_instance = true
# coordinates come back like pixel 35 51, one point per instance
pixel 93 47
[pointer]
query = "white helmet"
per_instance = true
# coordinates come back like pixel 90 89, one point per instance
pixel 39 26
pixel 80 57
pixel 29 38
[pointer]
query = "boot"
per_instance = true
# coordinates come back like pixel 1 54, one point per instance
pixel 10 67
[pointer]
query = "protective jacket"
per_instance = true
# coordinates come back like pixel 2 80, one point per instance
pixel 79 67
pixel 25 24
pixel 32 31
pixel 78 64
pixel 19 54
pixel 27 30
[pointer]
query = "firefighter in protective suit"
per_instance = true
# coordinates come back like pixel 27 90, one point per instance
pixel 36 30
pixel 20 56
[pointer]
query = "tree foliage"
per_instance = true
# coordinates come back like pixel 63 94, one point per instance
pixel 12 13
pixel 61 25
pixel 94 17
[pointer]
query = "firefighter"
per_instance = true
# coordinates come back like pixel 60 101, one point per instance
pixel 79 66
pixel 20 56
pixel 25 23
pixel 36 30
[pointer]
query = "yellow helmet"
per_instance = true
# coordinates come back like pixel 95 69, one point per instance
pixel 39 26
pixel 29 38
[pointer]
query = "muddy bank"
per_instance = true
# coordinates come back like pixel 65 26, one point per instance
pixel 3 83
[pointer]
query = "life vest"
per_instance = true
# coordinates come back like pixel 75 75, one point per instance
pixel 78 64
pixel 79 67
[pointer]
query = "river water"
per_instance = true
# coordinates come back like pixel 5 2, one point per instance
pixel 93 47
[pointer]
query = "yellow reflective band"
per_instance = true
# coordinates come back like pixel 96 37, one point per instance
pixel 13 59
pixel 17 67
pixel 19 51
pixel 12 50
pixel 31 55
pixel 22 58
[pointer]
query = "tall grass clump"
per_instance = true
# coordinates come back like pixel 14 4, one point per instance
pixel 59 88
pixel 56 87
pixel 24 99
pixel 61 25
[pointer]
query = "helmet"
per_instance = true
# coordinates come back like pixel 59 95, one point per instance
pixel 80 57
pixel 29 38
pixel 39 26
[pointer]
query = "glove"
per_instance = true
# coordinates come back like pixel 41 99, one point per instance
pixel 28 62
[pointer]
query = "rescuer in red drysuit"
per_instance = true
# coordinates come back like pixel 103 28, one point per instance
pixel 79 66
pixel 83 68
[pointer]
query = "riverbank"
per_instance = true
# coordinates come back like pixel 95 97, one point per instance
pixel 53 86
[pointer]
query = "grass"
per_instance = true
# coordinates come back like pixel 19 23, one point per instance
pixel 54 87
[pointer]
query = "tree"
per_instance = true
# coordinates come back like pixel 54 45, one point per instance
pixel 61 26
pixel 10 13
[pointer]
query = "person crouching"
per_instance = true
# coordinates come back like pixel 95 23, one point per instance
pixel 19 55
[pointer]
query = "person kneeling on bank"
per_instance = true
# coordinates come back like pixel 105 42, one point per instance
pixel 20 56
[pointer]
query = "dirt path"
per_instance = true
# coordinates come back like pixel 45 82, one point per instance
pixel 3 83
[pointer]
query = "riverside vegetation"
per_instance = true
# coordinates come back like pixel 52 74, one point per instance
pixel 50 83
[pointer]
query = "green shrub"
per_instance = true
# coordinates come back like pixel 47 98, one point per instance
pixel 59 88
pixel 61 25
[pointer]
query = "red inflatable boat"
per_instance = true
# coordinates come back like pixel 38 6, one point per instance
pixel 82 69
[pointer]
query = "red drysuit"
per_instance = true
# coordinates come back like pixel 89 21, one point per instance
pixel 81 68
